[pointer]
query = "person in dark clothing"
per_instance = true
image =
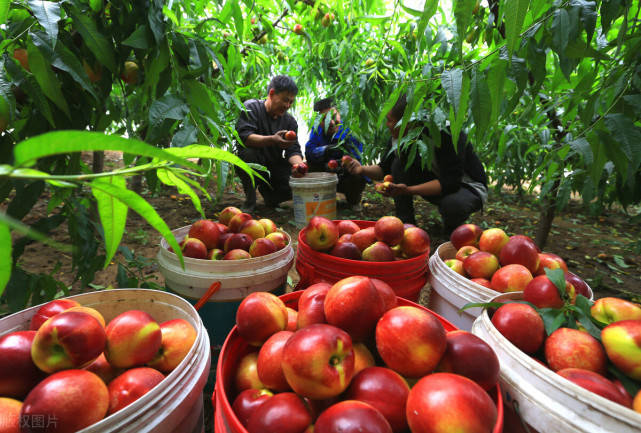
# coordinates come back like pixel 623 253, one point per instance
pixel 337 141
pixel 262 127
pixel 456 181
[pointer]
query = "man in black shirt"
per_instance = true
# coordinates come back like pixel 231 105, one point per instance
pixel 456 181
pixel 262 129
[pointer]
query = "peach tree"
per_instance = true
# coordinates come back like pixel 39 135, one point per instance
pixel 548 92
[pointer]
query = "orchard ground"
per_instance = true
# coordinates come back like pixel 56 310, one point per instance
pixel 604 250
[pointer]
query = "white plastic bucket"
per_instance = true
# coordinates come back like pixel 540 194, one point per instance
pixel 451 291
pixel 175 405
pixel 546 401
pixel 238 278
pixel 314 195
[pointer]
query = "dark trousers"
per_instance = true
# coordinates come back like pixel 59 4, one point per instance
pixel 277 188
pixel 349 184
pixel 455 208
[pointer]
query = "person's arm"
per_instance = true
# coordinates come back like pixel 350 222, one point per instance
pixel 353 166
pixel 292 148
pixel 278 139
pixel 249 133
pixel 431 188
pixel 295 159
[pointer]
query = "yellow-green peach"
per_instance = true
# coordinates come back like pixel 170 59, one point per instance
pixel 622 342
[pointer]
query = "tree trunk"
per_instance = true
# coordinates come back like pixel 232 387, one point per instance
pixel 548 211
pixel 98 161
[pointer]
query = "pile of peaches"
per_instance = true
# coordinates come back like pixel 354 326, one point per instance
pixel 352 354
pixel 505 263
pixel 599 350
pixel 388 240
pixel 70 369
pixel 235 236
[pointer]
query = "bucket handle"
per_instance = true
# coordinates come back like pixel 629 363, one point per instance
pixel 210 292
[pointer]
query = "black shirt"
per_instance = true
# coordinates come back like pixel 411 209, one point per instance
pixel 256 121
pixel 450 165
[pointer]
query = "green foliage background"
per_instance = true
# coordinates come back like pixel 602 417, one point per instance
pixel 549 93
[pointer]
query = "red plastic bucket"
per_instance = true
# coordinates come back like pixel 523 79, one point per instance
pixel 407 277
pixel 235 348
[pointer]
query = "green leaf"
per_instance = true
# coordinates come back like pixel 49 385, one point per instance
pixel 96 5
pixel 99 45
pixel 560 30
pixel 390 103
pixel 199 96
pixel 59 142
pixel 515 11
pixel 4 10
pixel 481 103
pixel 609 12
pixel 481 305
pixel 168 177
pixel 138 39
pixel 239 21
pixel 582 147
pixel 552 319
pixel 207 152
pixel 452 80
pixel 67 61
pixel 6 260
pixel 463 15
pixel 143 208
pixel 557 276
pixel 620 261
pixel 48 14
pixel 46 78
pixel 158 64
pixel 627 135
pixel 112 212
pixel 578 49
pixel 588 17
pixel 583 304
pixel 167 107
pixel 171 15
pixel 429 9
pixel 25 230
pixel 374 19
pixel 459 115
pixel 411 11
pixel 495 81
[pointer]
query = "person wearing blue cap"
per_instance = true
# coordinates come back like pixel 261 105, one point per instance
pixel 331 140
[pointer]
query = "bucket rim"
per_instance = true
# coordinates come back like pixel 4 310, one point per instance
pixel 314 178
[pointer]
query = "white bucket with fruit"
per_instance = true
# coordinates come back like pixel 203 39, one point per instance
pixel 76 374
pixel 478 265
pixel 243 254
pixel 558 379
